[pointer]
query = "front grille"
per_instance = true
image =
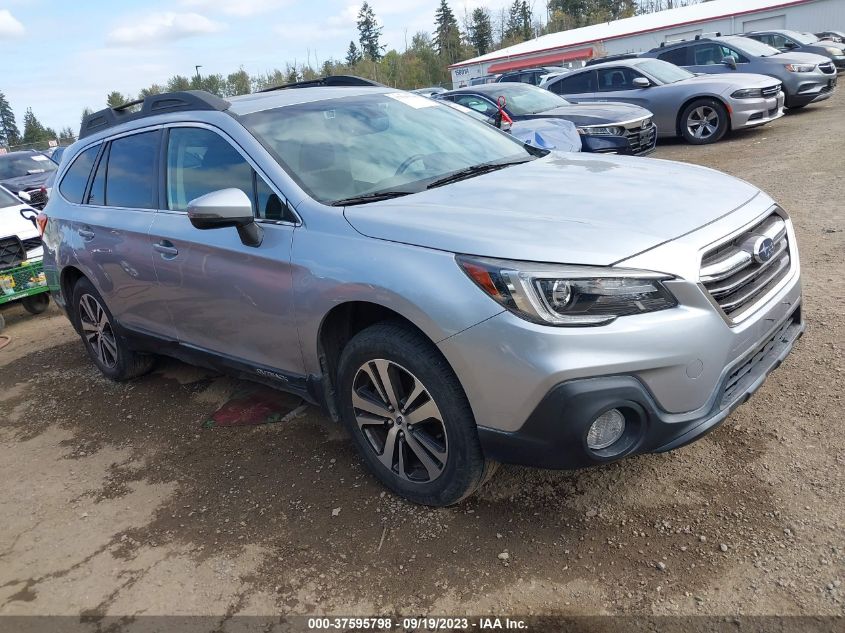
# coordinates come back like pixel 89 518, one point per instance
pixel 12 252
pixel 748 371
pixel 641 139
pixel 737 274
pixel 827 68
pixel 32 243
pixel 37 198
pixel 771 91
pixel 826 89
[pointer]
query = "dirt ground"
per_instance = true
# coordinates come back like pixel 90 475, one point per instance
pixel 117 500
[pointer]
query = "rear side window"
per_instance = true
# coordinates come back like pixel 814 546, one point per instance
pixel 576 84
pixel 75 180
pixel 622 78
pixel 677 56
pixel 97 195
pixel 131 175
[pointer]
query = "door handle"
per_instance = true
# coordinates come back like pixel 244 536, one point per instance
pixel 166 249
pixel 86 234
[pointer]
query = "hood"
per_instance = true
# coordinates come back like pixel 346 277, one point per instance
pixel 563 208
pixel 733 81
pixel 12 223
pixel 29 181
pixel 593 113
pixel 799 58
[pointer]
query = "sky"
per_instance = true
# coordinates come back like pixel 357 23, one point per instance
pixel 59 56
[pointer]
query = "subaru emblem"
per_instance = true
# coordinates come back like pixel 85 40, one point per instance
pixel 764 248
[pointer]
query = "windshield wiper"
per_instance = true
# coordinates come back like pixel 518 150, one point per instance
pixel 469 172
pixel 375 196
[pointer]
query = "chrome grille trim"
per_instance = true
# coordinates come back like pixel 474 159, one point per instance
pixel 771 91
pixel 735 278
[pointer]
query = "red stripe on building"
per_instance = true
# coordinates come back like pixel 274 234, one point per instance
pixel 546 60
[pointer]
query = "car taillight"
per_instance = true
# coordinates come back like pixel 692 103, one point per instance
pixel 41 222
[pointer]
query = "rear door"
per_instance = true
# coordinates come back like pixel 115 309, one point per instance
pixel 225 297
pixel 576 86
pixel 114 209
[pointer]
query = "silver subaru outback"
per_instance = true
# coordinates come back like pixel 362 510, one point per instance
pixel 455 298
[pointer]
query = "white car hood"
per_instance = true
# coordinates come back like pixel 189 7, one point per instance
pixel 13 223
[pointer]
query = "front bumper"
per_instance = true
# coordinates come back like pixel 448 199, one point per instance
pixel 544 441
pixel 746 113
pixel 639 142
pixel 811 89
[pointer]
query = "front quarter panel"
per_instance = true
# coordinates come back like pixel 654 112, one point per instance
pixel 426 286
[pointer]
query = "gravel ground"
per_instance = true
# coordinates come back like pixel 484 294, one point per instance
pixel 116 500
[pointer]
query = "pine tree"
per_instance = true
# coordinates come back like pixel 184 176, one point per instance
pixel 518 27
pixel 481 31
pixel 66 136
pixel 9 133
pixel 33 131
pixel 447 35
pixel 369 33
pixel 353 55
pixel 115 99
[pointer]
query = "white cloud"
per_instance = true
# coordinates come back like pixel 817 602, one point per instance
pixel 240 8
pixel 9 25
pixel 158 27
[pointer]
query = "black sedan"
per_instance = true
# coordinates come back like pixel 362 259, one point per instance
pixel 618 128
pixel 29 172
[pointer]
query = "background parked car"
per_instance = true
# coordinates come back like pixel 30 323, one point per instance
pixel 605 127
pixel 787 41
pixel 833 36
pixel 16 219
pixel 806 77
pixel 427 92
pixel 533 76
pixel 484 79
pixel 30 172
pixel 699 108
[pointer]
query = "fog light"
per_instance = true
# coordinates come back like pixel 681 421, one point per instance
pixel 606 429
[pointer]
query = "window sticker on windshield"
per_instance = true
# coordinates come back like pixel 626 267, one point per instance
pixel 39 157
pixel 415 101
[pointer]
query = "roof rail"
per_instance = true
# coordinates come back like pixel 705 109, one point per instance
pixel 611 58
pixel 154 104
pixel 329 80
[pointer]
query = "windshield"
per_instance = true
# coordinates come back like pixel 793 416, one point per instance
pixel 8 200
pixel 803 38
pixel 664 72
pixel 751 47
pixel 522 99
pixel 384 142
pixel 14 166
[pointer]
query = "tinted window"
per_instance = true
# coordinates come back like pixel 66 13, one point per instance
pixel 97 195
pixel 577 84
pixel 621 78
pixel 200 161
pixel 24 163
pixel 76 178
pixel 130 179
pixel 677 56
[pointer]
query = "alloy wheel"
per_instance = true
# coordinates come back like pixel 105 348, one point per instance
pixel 703 122
pixel 400 421
pixel 97 330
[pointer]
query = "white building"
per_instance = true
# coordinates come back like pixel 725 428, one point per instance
pixel 644 32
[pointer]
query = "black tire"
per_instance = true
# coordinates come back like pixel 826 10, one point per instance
pixel 797 106
pixel 409 356
pixel 112 356
pixel 36 304
pixel 713 118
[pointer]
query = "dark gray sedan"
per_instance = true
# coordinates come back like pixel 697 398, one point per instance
pixel 788 41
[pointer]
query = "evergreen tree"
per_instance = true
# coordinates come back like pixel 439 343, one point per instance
pixel 353 55
pixel 447 35
pixel 481 31
pixel 9 133
pixel 33 131
pixel 238 83
pixel 369 33
pixel 66 136
pixel 518 27
pixel 115 99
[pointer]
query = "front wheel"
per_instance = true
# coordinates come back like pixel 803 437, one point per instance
pixel 703 121
pixel 408 415
pixel 105 346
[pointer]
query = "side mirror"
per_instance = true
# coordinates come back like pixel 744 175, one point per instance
pixel 226 208
pixel 641 82
pixel 790 45
pixel 730 62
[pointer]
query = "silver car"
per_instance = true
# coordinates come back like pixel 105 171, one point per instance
pixel 455 298
pixel 700 109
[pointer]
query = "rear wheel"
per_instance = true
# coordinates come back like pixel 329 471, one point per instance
pixel 703 121
pixel 106 348
pixel 409 418
pixel 36 304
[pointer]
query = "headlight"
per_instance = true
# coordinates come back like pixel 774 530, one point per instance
pixel 568 295
pixel 800 68
pixel 748 93
pixel 611 130
pixel 836 52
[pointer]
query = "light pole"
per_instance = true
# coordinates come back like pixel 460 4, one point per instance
pixel 199 79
